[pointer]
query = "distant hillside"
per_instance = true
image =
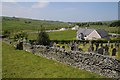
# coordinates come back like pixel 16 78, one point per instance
pixel 13 23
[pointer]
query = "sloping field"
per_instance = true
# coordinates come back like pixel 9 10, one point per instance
pixel 59 35
pixel 21 64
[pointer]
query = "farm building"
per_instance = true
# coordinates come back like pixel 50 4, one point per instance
pixel 62 29
pixel 75 27
pixel 91 34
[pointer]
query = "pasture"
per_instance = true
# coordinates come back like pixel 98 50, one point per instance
pixel 21 64
pixel 59 35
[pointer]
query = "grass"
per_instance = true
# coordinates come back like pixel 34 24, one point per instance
pixel 60 35
pixel 21 64
pixel 0 59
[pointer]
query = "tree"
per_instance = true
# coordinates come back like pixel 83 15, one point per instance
pixel 43 37
pixel 115 24
pixel 20 36
pixel 6 33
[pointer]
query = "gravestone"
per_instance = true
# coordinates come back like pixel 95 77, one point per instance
pixel 75 46
pixel 58 46
pixel 33 51
pixel 97 45
pixel 80 49
pixel 72 48
pixel 84 43
pixel 101 44
pixel 114 52
pixel 63 47
pixel 111 45
pixel 19 46
pixel 51 44
pixel 100 51
pixel 91 48
pixel 106 50
pixel 54 44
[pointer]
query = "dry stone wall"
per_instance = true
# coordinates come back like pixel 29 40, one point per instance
pixel 93 62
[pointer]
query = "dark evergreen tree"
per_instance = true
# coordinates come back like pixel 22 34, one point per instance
pixel 43 37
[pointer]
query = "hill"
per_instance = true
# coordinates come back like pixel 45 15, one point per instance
pixel 13 23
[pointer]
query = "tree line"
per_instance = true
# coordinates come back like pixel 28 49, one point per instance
pixel 110 24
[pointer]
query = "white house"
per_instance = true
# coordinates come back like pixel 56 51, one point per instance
pixel 75 27
pixel 62 29
pixel 91 34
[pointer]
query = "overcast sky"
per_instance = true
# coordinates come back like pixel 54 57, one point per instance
pixel 69 11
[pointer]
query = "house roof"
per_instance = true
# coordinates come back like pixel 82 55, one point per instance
pixel 101 32
pixel 85 31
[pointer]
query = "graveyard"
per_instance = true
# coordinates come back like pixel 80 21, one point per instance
pixel 22 59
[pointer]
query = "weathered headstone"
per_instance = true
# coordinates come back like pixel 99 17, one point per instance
pixel 63 47
pixel 72 48
pixel 58 46
pixel 97 45
pixel 91 48
pixel 106 52
pixel 101 44
pixel 51 44
pixel 19 46
pixel 106 48
pixel 111 45
pixel 114 52
pixel 100 51
pixel 75 46
pixel 54 44
pixel 80 49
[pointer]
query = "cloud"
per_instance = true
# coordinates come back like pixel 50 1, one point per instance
pixel 8 0
pixel 40 4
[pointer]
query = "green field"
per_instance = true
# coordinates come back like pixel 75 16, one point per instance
pixel 21 64
pixel 60 35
